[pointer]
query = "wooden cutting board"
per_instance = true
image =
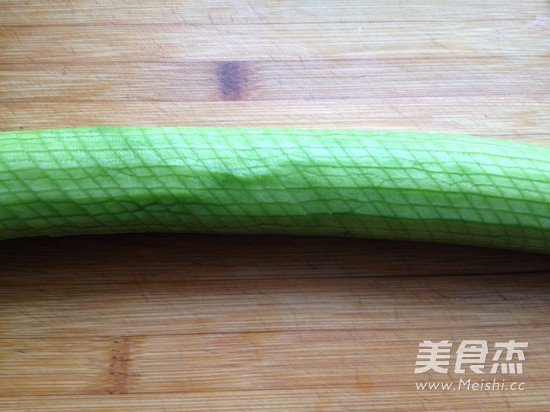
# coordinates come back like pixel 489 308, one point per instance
pixel 203 323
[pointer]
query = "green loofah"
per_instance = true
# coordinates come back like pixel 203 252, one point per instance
pixel 390 185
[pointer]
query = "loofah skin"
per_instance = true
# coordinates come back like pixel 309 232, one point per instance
pixel 390 185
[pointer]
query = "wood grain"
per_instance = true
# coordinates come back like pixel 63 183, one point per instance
pixel 213 12
pixel 357 79
pixel 144 322
pixel 203 323
pixel 173 42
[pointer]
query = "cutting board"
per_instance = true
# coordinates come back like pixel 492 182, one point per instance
pixel 269 323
